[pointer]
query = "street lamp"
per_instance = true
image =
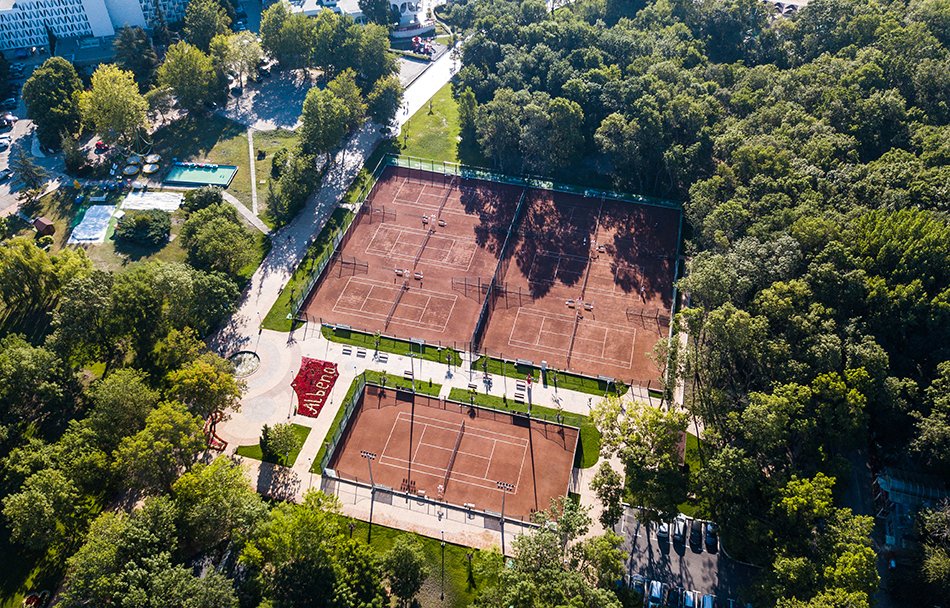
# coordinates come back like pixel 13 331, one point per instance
pixel 442 593
pixel 370 457
pixel 505 487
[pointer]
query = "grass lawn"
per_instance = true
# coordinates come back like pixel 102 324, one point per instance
pixel 276 318
pixel 268 142
pixel 690 506
pixel 424 387
pixel 212 139
pixel 59 206
pixel 428 352
pixel 254 451
pixel 433 135
pixel 565 380
pixel 461 581
pixel 588 449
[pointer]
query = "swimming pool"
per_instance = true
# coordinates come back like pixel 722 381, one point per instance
pixel 200 174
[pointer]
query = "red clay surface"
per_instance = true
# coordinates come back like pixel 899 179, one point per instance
pixel 606 267
pixel 414 442
pixel 466 225
pixel 313 384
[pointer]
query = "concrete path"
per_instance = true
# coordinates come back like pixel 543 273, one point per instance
pixel 253 166
pixel 249 215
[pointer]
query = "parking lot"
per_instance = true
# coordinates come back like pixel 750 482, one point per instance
pixel 681 565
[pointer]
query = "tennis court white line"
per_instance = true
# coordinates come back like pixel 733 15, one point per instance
pixel 481 433
pixel 338 307
pixel 400 230
pixel 538 345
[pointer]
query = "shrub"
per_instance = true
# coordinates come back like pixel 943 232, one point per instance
pixel 144 227
pixel 200 198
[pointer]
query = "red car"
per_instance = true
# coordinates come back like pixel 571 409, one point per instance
pixel 101 146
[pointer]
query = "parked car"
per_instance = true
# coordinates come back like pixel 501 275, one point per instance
pixel 8 104
pixel 696 535
pixel 11 118
pixel 237 91
pixel 5 174
pixel 663 531
pixel 4 144
pixel 679 529
pixel 709 601
pixel 638 584
pixel 690 599
pixel 657 593
pixel 712 537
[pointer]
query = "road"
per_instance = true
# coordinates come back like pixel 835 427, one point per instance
pixel 678 565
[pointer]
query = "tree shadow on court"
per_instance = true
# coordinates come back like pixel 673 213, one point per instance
pixel 553 227
pixel 643 247
pixel 277 482
pixel 495 206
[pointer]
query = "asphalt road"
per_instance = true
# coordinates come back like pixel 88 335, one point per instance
pixel 681 566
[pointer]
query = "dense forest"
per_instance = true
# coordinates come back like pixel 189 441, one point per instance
pixel 811 155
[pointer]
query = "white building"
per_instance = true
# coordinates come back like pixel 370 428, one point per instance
pixel 414 19
pixel 24 23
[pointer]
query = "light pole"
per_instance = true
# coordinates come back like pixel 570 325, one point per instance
pixel 505 487
pixel 412 370
pixel 442 593
pixel 370 457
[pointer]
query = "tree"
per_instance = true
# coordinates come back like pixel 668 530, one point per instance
pixel 376 11
pixel 600 559
pixel 113 105
pixel 215 240
pixel 286 36
pixel 374 61
pixel 384 100
pixel 31 175
pixel 933 430
pixel 289 193
pixel 134 52
pixel 43 512
pixel 279 442
pixel 126 561
pixel 646 438
pixel 152 459
pixel 121 402
pixel 51 98
pixel 205 19
pixel 239 53
pixel 74 157
pixel 405 567
pixel 150 227
pixel 608 485
pixel 160 101
pixel 323 121
pixel 216 504
pixel 206 385
pixel 198 198
pixel 33 381
pixel 344 87
pixel 82 331
pixel 189 73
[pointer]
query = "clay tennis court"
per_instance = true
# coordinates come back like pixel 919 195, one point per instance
pixel 456 452
pixel 589 287
pixel 416 244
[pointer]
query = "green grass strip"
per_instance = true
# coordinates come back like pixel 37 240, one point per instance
pixel 463 576
pixel 254 451
pixel 322 247
pixel 423 387
pixel 429 352
pixel 588 449
pixel 565 380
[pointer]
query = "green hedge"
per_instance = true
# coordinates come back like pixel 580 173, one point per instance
pixel 588 448
pixel 565 380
